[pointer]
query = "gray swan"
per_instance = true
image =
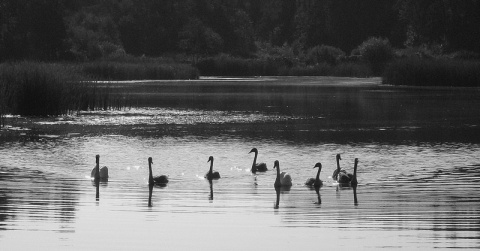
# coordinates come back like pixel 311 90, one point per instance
pixel 315 182
pixel 159 180
pixel 348 178
pixel 211 175
pixel 257 167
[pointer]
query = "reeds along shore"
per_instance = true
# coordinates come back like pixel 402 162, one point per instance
pixel 51 89
pixel 36 89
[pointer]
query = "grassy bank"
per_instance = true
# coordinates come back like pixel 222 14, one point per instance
pixel 414 71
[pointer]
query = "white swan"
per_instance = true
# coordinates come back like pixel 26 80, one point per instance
pixel 283 179
pixel 257 167
pixel 210 175
pixel 338 170
pixel 99 173
pixel 160 180
pixel 315 182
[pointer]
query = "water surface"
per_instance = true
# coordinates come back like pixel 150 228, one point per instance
pixel 418 171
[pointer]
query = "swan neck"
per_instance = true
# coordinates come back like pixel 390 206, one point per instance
pixel 355 170
pixel 97 171
pixel 150 175
pixel 318 173
pixel 338 164
pixel 255 159
pixel 211 166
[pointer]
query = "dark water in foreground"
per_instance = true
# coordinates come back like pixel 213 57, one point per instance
pixel 419 169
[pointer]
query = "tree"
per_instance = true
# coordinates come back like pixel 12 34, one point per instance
pixel 453 24
pixel 31 29
pixel 196 39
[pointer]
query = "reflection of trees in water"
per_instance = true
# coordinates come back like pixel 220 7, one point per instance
pixel 32 194
pixel 4 213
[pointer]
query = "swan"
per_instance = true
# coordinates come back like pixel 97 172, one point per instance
pixel 257 167
pixel 160 180
pixel 338 170
pixel 283 179
pixel 348 178
pixel 99 173
pixel 210 175
pixel 316 182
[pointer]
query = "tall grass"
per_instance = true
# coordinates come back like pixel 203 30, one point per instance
pixel 139 69
pixel 51 89
pixel 414 71
pixel 39 89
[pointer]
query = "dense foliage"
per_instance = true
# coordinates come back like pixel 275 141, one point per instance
pixel 87 29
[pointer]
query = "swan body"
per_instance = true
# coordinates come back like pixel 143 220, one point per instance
pixel 257 167
pixel 337 171
pixel 348 178
pixel 315 182
pixel 160 180
pixel 283 179
pixel 211 175
pixel 99 173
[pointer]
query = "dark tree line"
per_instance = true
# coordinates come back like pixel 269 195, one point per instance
pixel 89 29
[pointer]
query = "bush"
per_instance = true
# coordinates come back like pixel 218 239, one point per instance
pixel 377 53
pixel 324 54
pixel 226 65
pixel 417 71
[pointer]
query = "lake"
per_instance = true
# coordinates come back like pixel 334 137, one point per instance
pixel 418 171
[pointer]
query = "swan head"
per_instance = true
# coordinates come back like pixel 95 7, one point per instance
pixel 254 150
pixel 356 161
pixel 319 165
pixel 276 164
pixel 210 159
pixel 150 160
pixel 97 157
pixel 339 157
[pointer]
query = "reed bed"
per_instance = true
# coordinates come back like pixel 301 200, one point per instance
pixel 139 70
pixel 39 89
pixel 414 71
pixel 51 89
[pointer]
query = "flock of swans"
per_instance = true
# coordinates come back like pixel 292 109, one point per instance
pixel 283 178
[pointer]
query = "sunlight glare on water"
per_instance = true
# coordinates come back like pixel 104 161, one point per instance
pixel 414 193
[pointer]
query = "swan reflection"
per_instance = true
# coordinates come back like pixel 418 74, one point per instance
pixel 347 187
pixel 317 190
pixel 279 190
pixel 211 190
pixel 150 190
